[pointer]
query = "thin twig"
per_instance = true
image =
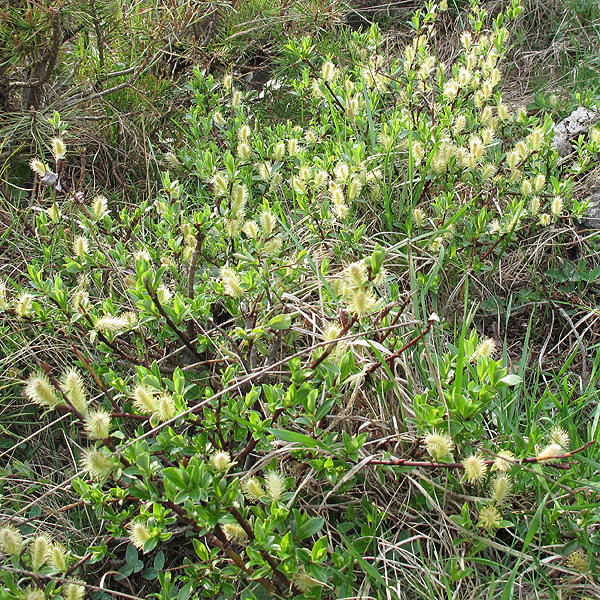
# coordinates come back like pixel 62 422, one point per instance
pixel 194 263
pixel 268 558
pixel 317 361
pixel 184 339
pixel 406 346
pixel 404 462
pixel 95 377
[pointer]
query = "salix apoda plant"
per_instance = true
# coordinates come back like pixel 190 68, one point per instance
pixel 228 327
pixel 462 170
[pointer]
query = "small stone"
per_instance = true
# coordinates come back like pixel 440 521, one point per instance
pixel 578 122
pixel 591 218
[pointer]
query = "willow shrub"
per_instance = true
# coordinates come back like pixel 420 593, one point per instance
pixel 283 283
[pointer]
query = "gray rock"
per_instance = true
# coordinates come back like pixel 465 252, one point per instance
pixel 578 122
pixel 591 218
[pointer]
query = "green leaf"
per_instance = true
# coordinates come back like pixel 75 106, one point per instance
pixel 150 573
pixel 367 567
pixel 148 547
pixel 511 379
pixel 281 321
pixel 200 549
pixel 319 550
pixel 346 366
pixel 131 554
pixel 185 592
pixel 377 259
pixel 311 527
pixel 292 436
pixel 124 571
pixel 143 461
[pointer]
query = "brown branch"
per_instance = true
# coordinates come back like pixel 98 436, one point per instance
pixel 85 558
pixel 568 454
pixel 406 346
pixel 51 56
pixel 46 367
pixel 219 539
pixel 199 407
pixel 184 339
pixel 241 457
pixel 95 377
pixel 403 306
pixel 404 462
pixel 194 263
pixel 317 74
pixel 268 558
pixel 317 361
pixel 124 415
pixel 192 275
